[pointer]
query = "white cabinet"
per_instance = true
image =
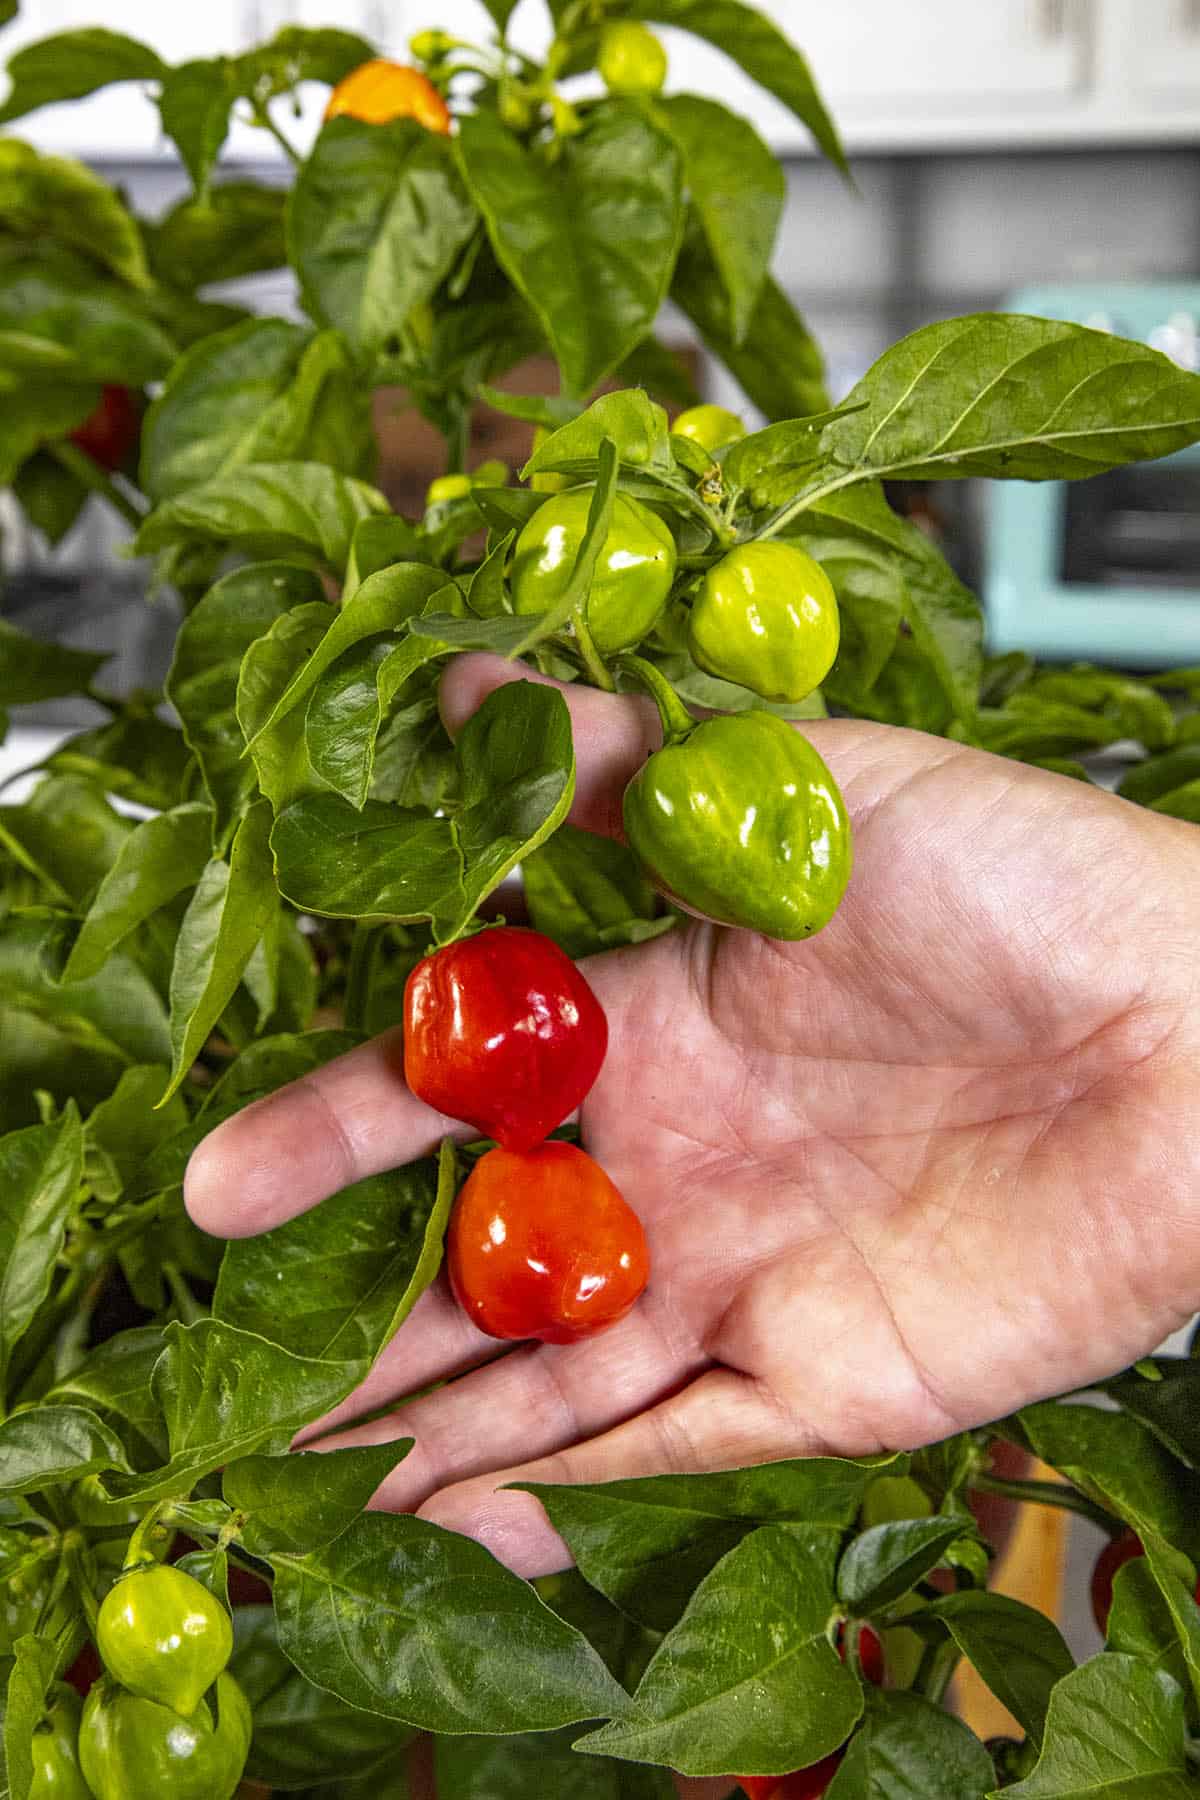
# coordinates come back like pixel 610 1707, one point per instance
pixel 1164 51
pixel 900 76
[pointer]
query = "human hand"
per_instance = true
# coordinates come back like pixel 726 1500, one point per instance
pixel 899 1179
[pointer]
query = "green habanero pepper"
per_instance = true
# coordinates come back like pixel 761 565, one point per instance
pixel 55 1749
pixel 712 427
pixel 132 1749
pixel 163 1635
pixel 631 60
pixel 741 822
pixel 633 573
pixel 766 617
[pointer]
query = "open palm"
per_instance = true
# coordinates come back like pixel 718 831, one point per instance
pixel 939 1161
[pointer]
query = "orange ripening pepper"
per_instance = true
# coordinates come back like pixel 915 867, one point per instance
pixel 379 90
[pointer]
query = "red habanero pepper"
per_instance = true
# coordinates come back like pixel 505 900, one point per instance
pixel 502 1031
pixel 542 1245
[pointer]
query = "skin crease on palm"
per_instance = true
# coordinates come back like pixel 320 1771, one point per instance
pixel 937 1162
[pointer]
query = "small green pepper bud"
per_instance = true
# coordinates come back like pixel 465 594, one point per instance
pixel 632 60
pixel 712 427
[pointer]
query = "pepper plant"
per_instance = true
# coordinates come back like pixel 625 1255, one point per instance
pixel 222 887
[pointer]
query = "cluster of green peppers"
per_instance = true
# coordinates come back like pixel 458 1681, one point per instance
pixel 166 1717
pixel 736 818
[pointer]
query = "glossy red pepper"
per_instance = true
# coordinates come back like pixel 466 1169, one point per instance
pixel 109 433
pixel 1111 1560
pixel 542 1245
pixel 805 1784
pixel 870 1653
pixel 502 1031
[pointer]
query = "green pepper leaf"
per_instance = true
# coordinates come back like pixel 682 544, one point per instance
pixel 1169 1403
pixel 263 392
pixel 737 190
pixel 338 1280
pixel 236 229
pixel 1019 1652
pixel 636 425
pixel 908 1749
pixel 37 1662
pixel 383 602
pixel 761 49
pixel 885 1562
pixel 376 219
pixel 32 670
pixel 51 200
pixel 72 64
pixel 43 1446
pixel 225 919
pixel 563 233
pixel 1150 782
pixel 590 894
pixel 302 1734
pixel 113 1383
pixel 50 496
pixel 513 1768
pixel 160 857
pixel 518 776
pixel 411 1622
pixel 646 1543
pixel 202 684
pixel 195 103
pixel 127 1127
pixel 1114 1727
pixel 304 511
pixel 1120 1463
pixel 1021 398
pixel 776 359
pixel 278 752
pixel 748 1679
pixel 945 617
pixel 226 1393
pixel 66 834
pixel 300 53
pixel 40 1171
pixel 137 757
pixel 304 1500
pixel 69 1041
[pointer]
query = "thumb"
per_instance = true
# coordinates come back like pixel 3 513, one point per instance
pixel 614 733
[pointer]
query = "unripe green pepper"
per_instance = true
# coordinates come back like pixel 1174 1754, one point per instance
pixel 163 1635
pixel 55 1749
pixel 766 617
pixel 741 822
pixel 130 1748
pixel 632 60
pixel 551 482
pixel 633 573
pixel 712 427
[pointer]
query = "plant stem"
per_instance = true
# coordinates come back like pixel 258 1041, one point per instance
pixel 79 464
pixel 593 662
pixel 937 1670
pixel 1048 1493
pixel 358 976
pixel 263 119
pixel 677 721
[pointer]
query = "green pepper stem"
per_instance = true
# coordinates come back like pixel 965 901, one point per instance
pixel 139 1551
pixel 90 475
pixel 1048 1493
pixel 591 658
pixel 263 119
pixel 677 721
